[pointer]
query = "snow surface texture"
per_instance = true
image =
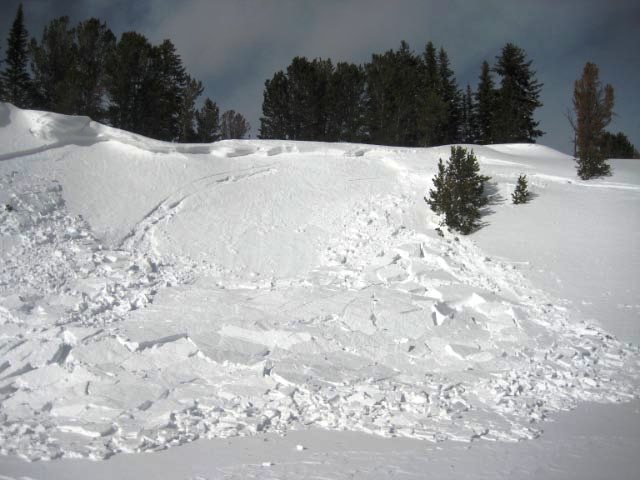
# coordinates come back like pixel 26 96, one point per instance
pixel 152 294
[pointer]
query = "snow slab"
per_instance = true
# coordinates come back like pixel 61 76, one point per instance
pixel 153 294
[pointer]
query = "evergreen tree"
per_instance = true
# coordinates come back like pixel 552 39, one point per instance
pixel 521 192
pixel 440 196
pixel 56 69
pixel 169 82
pixel 378 99
pixel 69 67
pixel 147 87
pixel 617 146
pixel 208 122
pixel 275 121
pixel 345 105
pixel 433 109
pixel 129 76
pixel 76 70
pixel 433 79
pixel 393 87
pixel 301 101
pixel 451 99
pixel 14 80
pixel 593 106
pixel 485 105
pixel 234 125
pixel 94 42
pixel 517 98
pixel 459 191
pixel 307 89
pixel 439 100
pixel 468 121
pixel 314 101
pixel 321 92
pixel 395 99
pixel 193 89
pixel 406 81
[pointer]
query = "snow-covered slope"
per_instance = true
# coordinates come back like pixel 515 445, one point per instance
pixel 153 293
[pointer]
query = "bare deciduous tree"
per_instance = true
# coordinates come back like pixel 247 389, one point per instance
pixel 234 125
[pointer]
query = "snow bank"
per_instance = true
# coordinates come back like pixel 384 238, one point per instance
pixel 153 294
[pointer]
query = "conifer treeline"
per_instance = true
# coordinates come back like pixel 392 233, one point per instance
pixel 127 83
pixel 402 98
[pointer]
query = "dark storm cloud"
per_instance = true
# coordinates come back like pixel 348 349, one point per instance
pixel 233 46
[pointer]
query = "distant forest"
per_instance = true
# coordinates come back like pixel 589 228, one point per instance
pixel 398 98
pixel 127 83
pixel 401 98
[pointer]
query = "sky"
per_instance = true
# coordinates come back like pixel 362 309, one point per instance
pixel 233 46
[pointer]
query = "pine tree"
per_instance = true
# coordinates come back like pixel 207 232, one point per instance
pixel 392 92
pixel 406 84
pixel 69 66
pixel 485 105
pixel 208 122
pixel 378 99
pixel 468 120
pixel 15 80
pixel 433 109
pixel 319 93
pixel 593 106
pixel 169 81
pixel 345 106
pixel 94 42
pixel 234 125
pixel 275 120
pixel 308 84
pixel 517 98
pixel 299 105
pixel 451 99
pixel 314 101
pixel 56 69
pixel 147 86
pixel 439 196
pixel 617 146
pixel 130 78
pixel 459 191
pixel 433 80
pixel 187 117
pixel 521 192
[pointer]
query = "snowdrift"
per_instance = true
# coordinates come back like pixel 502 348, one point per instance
pixel 153 293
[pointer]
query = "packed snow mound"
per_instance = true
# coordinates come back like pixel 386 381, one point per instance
pixel 154 293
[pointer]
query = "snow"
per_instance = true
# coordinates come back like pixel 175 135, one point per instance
pixel 153 294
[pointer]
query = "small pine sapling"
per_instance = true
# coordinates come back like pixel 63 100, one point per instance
pixel 521 192
pixel 459 191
